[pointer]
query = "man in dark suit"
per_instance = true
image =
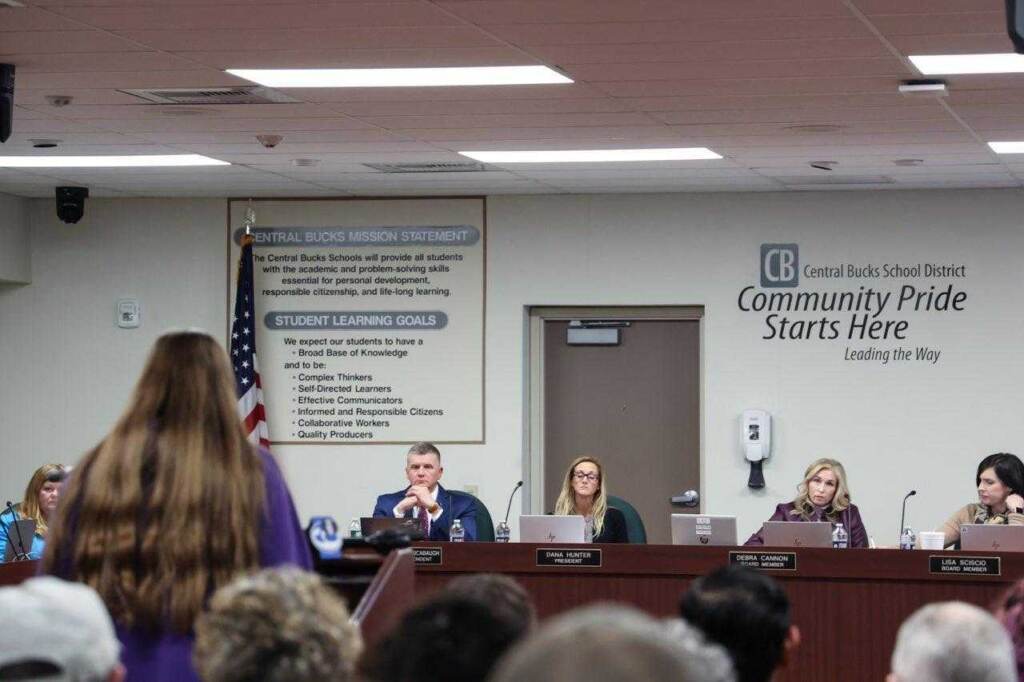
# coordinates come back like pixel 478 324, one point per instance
pixel 425 496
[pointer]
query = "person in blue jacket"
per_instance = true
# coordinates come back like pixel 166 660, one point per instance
pixel 41 497
pixel 425 496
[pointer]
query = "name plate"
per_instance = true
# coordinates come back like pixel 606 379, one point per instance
pixel 429 556
pixel 964 565
pixel 569 557
pixel 764 561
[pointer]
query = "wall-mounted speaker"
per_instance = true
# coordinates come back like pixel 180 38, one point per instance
pixel 1015 23
pixel 6 100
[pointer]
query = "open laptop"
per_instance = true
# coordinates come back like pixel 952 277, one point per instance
pixel 991 538
pixel 374 524
pixel 793 534
pixel 697 529
pixel 27 528
pixel 546 528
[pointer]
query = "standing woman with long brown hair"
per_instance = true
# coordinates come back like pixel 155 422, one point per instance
pixel 171 505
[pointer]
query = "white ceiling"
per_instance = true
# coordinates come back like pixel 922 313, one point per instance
pixel 733 75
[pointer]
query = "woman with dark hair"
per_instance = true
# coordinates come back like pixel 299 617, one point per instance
pixel 41 495
pixel 1000 481
pixel 173 504
pixel 823 495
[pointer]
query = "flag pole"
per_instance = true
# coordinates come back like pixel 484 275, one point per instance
pixel 248 384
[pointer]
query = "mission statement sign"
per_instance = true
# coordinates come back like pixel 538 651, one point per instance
pixel 370 329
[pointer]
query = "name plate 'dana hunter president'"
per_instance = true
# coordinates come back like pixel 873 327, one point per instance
pixel 568 557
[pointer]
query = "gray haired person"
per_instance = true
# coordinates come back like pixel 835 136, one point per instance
pixel 611 643
pixel 277 625
pixel 952 642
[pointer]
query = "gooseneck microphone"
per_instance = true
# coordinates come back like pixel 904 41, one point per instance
pixel 509 508
pixel 903 514
pixel 23 554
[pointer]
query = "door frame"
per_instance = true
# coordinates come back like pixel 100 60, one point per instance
pixel 533 381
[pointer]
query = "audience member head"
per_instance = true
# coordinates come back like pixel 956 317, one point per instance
pixel 174 484
pixel 449 637
pixel 59 631
pixel 1010 612
pixel 952 642
pixel 1003 475
pixel 585 484
pixel 41 495
pixel 747 613
pixel 506 598
pixel 278 625
pixel 824 487
pixel 611 643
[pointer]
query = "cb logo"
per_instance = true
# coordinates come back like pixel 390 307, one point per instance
pixel 780 265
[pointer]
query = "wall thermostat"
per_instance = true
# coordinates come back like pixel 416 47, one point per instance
pixel 128 313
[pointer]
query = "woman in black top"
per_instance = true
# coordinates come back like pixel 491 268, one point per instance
pixel 584 494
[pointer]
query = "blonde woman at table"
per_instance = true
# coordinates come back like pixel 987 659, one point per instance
pixel 584 494
pixel 823 495
pixel 41 496
pixel 1000 481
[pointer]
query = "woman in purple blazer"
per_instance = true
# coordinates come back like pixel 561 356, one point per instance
pixel 822 496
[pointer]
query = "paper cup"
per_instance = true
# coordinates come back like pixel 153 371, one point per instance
pixel 932 539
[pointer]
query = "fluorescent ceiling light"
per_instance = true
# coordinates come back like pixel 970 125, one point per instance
pixel 401 78
pixel 595 155
pixel 937 64
pixel 1015 147
pixel 134 161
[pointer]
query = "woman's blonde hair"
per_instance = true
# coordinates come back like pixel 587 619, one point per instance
pixel 802 504
pixel 566 504
pixel 167 508
pixel 29 507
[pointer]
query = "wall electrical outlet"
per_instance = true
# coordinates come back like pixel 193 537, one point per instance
pixel 472 488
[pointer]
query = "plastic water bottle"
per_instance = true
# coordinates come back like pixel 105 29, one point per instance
pixel 907 539
pixel 501 532
pixel 840 539
pixel 458 533
pixel 355 529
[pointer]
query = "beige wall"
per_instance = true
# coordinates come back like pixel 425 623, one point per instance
pixel 15 262
pixel 65 370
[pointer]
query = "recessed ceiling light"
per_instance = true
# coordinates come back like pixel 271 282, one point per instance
pixel 135 161
pixel 595 155
pixel 923 87
pixel 938 64
pixel 1010 147
pixel 401 78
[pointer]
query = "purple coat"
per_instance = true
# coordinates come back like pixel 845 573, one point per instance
pixel 850 518
pixel 166 656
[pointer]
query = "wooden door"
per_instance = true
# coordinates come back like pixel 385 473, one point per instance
pixel 635 406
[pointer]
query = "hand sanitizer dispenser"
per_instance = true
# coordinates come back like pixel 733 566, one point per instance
pixel 757 443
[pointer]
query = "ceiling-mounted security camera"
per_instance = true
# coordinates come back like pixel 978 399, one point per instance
pixel 71 203
pixel 269 141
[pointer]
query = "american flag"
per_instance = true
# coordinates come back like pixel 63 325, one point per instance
pixel 243 352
